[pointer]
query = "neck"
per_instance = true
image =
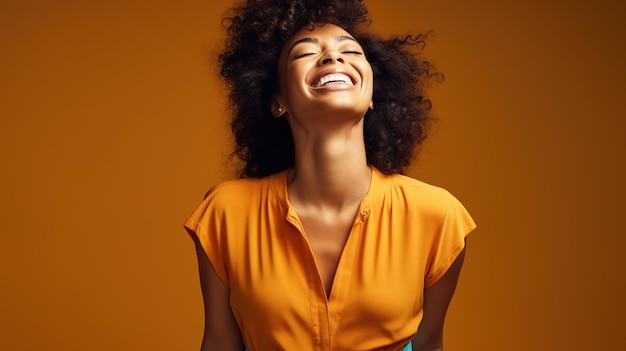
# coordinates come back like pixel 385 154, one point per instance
pixel 331 170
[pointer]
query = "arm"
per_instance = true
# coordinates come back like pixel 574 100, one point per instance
pixel 221 331
pixel 429 335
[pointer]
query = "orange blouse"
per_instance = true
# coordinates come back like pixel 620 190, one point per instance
pixel 404 238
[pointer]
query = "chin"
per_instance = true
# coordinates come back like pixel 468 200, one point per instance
pixel 339 111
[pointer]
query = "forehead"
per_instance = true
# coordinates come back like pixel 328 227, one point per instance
pixel 318 31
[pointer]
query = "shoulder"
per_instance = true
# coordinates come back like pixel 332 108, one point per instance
pixel 417 192
pixel 244 192
pixel 433 204
pixel 228 199
pixel 234 187
pixel 423 202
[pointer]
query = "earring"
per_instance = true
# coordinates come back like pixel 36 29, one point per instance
pixel 277 109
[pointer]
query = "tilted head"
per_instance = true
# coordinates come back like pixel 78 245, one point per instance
pixel 258 76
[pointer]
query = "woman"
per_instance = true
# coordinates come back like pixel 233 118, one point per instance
pixel 322 244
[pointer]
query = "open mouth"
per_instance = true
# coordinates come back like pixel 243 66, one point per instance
pixel 333 78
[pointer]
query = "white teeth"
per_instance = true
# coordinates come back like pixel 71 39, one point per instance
pixel 333 78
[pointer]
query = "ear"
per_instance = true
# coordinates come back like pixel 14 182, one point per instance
pixel 372 105
pixel 277 108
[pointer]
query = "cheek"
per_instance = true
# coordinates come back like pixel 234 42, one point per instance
pixel 368 77
pixel 294 79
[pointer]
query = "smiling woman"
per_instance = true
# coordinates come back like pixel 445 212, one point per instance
pixel 323 244
pixel 324 77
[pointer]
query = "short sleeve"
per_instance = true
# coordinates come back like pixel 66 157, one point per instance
pixel 449 241
pixel 207 225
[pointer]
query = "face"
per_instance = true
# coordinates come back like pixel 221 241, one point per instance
pixel 324 74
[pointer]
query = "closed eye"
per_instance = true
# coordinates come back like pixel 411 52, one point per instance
pixel 295 57
pixel 353 52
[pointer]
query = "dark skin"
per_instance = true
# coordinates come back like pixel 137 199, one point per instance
pixel 437 298
pixel 221 331
pixel 331 174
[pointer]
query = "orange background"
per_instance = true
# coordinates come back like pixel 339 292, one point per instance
pixel 112 127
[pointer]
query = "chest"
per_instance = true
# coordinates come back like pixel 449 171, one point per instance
pixel 327 238
pixel 310 280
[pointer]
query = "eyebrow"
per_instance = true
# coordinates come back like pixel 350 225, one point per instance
pixel 316 41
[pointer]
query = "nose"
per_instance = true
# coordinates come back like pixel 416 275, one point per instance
pixel 331 56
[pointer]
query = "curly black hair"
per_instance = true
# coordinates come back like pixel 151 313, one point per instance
pixel 257 31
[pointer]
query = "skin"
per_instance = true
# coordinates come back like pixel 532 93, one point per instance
pixel 220 328
pixel 331 175
pixel 437 298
